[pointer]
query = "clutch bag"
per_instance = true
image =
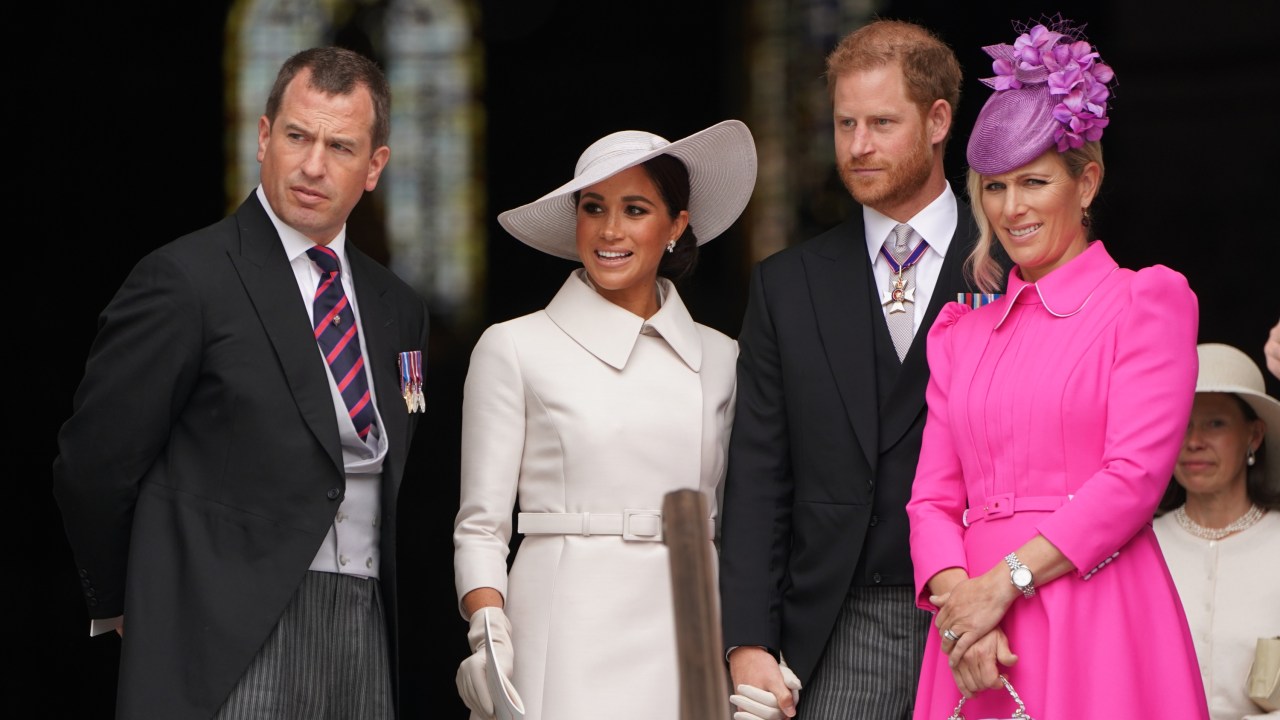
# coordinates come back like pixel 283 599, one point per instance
pixel 1264 674
pixel 1019 714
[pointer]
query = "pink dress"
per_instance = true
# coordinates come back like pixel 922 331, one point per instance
pixel 1061 408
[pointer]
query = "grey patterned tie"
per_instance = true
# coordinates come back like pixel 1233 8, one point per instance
pixel 900 299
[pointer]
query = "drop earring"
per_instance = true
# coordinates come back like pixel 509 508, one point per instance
pixel 1085 220
pixel 671 246
pixel 1250 459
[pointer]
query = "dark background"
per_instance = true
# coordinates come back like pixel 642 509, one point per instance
pixel 133 157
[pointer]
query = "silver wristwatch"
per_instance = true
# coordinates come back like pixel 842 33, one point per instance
pixel 1020 575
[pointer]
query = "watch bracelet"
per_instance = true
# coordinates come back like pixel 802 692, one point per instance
pixel 1014 564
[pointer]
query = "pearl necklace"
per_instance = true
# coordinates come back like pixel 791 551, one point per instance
pixel 1243 522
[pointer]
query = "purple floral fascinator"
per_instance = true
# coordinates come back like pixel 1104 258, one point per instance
pixel 1051 90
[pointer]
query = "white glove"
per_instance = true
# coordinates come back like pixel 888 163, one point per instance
pixel 472 678
pixel 756 704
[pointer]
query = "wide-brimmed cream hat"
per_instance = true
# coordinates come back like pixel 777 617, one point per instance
pixel 721 161
pixel 1226 369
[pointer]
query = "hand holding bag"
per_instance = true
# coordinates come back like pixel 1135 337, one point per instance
pixel 1019 714
pixel 1264 674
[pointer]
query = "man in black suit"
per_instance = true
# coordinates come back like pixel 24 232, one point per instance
pixel 815 572
pixel 228 477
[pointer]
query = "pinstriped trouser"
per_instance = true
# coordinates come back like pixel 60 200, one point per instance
pixel 871 666
pixel 326 659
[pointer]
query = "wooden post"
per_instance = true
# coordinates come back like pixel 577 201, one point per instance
pixel 704 682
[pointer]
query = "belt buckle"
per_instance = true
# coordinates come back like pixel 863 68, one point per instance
pixel 629 518
pixel 998 506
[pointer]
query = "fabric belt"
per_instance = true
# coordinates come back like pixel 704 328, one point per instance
pixel 1005 504
pixel 636 525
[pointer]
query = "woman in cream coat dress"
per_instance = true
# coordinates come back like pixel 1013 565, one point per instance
pixel 586 414
pixel 1220 532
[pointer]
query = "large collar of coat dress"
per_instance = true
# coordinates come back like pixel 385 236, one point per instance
pixel 1066 290
pixel 610 332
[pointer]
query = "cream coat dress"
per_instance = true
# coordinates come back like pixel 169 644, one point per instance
pixel 1230 590
pixel 586 408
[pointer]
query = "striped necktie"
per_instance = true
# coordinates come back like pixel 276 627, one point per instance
pixel 335 330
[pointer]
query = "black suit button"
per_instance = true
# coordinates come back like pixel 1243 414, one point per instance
pixel 875 520
pixel 92 603
pixel 333 493
pixel 875 578
pixel 85 582
pixel 90 592
pixel 84 573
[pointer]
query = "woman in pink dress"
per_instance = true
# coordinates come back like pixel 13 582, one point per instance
pixel 1055 416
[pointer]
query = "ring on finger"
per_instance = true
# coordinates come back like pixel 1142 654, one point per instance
pixel 949 635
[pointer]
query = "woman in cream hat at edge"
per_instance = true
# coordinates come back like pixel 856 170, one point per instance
pixel 1220 533
pixel 587 414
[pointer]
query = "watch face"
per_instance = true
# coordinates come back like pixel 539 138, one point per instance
pixel 1022 577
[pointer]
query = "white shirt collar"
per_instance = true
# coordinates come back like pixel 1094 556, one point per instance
pixel 295 243
pixel 936 223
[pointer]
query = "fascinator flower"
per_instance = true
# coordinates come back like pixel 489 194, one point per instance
pixel 1051 90
pixel 1031 46
pixel 1070 69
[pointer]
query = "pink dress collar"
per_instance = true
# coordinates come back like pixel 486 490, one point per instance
pixel 1066 290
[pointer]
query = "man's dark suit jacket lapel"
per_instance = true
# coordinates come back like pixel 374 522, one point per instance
pixel 837 270
pixel 840 285
pixel 268 279
pixel 906 400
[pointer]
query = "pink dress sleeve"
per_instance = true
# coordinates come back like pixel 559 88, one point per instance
pixel 1151 389
pixel 938 495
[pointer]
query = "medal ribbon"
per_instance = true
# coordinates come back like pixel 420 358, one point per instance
pixel 411 380
pixel 912 259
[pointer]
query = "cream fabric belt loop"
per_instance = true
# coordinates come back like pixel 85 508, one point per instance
pixel 1005 504
pixel 631 524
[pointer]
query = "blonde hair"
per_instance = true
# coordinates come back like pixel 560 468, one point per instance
pixel 982 268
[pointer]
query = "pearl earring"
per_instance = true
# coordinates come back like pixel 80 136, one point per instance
pixel 1250 459
pixel 671 246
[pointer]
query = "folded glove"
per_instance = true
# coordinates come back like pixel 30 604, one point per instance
pixel 756 704
pixel 472 678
